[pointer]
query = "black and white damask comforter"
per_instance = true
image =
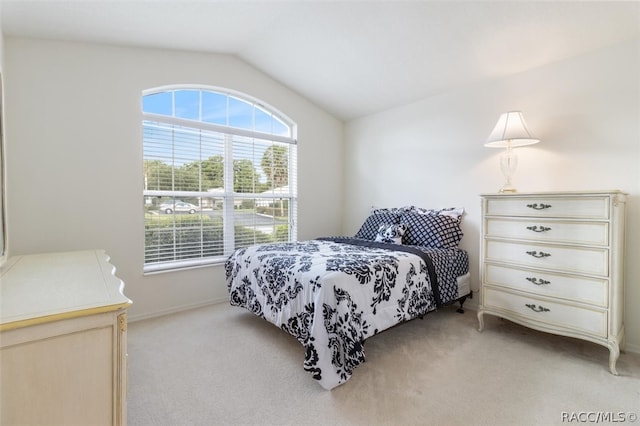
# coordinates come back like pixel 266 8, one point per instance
pixel 332 294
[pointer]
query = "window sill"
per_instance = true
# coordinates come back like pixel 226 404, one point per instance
pixel 160 268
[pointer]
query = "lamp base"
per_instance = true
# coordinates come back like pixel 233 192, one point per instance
pixel 508 164
pixel 507 189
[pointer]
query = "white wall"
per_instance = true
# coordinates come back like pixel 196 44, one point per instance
pixel 74 154
pixel 586 111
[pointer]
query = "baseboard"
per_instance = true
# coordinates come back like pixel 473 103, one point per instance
pixel 175 309
pixel 634 349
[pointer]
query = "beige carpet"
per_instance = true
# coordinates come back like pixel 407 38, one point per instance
pixel 220 365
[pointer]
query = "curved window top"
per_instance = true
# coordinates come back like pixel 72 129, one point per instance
pixel 218 108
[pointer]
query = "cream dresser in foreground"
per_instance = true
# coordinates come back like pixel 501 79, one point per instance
pixel 62 340
pixel 554 262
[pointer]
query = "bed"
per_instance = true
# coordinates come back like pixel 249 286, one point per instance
pixel 333 293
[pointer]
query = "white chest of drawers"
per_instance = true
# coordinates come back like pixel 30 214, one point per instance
pixel 554 262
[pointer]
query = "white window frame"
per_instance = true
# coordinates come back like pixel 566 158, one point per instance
pixel 228 196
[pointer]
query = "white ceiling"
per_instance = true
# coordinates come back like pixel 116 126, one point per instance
pixel 352 58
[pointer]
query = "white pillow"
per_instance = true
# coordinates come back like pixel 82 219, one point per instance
pixel 390 233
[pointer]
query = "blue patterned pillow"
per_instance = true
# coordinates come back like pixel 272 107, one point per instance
pixel 369 228
pixel 437 231
pixel 391 234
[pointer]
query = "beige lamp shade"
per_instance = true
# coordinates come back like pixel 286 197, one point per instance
pixel 510 131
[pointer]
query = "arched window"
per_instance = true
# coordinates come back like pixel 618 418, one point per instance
pixel 219 174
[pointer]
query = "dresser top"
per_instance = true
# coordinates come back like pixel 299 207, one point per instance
pixel 555 193
pixel 48 287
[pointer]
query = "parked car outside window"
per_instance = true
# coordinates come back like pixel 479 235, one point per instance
pixel 178 206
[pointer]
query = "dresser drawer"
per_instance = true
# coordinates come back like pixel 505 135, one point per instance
pixel 553 314
pixel 595 233
pixel 559 258
pixel 566 207
pixel 570 287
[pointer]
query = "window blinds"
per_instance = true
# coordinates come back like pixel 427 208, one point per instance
pixel 209 189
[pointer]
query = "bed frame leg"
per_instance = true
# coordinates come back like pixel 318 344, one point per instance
pixel 460 310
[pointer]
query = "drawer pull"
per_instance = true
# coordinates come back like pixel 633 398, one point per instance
pixel 540 308
pixel 538 255
pixel 538 229
pixel 537 281
pixel 540 206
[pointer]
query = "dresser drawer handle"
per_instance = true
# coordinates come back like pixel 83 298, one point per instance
pixel 538 255
pixel 540 308
pixel 538 229
pixel 540 206
pixel 537 281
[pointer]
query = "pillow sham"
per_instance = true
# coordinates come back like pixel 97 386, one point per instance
pixel 391 233
pixel 392 210
pixel 436 231
pixel 455 212
pixel 369 228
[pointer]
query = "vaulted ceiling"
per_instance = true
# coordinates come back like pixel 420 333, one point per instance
pixel 352 58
